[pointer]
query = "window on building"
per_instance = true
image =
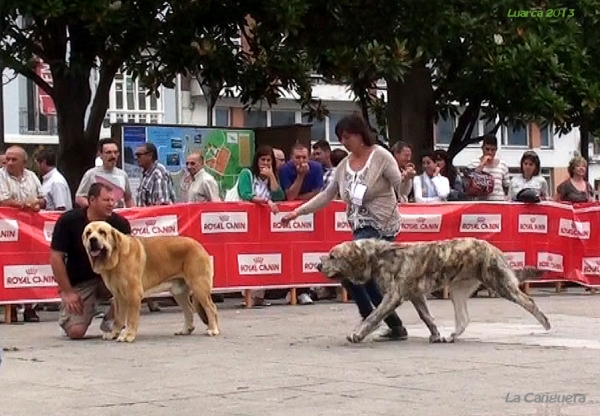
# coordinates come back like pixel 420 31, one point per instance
pixel 255 118
pixel 545 172
pixel 32 117
pixel 515 136
pixel 129 102
pixel 318 129
pixel 445 130
pixel 546 137
pixel 221 116
pixel 333 119
pixel 283 118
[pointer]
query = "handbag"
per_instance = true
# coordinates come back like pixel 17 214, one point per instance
pixel 233 195
pixel 528 195
pixel 478 183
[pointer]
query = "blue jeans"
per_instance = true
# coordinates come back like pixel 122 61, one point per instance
pixel 367 295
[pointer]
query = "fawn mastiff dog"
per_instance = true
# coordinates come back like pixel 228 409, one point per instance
pixel 412 271
pixel 135 267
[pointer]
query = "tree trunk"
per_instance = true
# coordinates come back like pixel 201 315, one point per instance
pixel 76 151
pixel 411 110
pixel 462 134
pixel 584 139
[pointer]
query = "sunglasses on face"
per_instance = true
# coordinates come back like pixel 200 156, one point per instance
pixel 140 154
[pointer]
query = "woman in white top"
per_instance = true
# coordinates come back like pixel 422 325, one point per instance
pixel 529 178
pixel 430 186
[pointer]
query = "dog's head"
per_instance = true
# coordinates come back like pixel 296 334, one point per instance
pixel 352 260
pixel 103 244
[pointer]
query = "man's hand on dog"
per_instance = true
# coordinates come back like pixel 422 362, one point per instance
pixel 72 302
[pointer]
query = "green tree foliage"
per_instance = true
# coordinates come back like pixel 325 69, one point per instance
pixel 73 37
pixel 438 54
pixel 236 47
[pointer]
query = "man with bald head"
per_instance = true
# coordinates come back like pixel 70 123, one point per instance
pixel 279 158
pixel 203 186
pixel 20 188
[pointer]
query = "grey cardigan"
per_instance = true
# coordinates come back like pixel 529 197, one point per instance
pixel 379 208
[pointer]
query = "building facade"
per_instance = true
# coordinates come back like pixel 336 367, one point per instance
pixel 28 119
pixel 554 151
pixel 29 115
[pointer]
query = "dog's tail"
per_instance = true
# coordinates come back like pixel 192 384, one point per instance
pixel 528 273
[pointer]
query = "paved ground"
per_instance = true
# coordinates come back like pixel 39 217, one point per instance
pixel 289 361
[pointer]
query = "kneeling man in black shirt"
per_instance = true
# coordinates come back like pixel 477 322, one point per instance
pixel 80 288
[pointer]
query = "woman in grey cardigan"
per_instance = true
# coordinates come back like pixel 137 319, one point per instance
pixel 367 180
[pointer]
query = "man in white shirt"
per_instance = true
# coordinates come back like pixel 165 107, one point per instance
pixel 54 186
pixel 20 188
pixel 403 154
pixel 109 174
pixel 203 186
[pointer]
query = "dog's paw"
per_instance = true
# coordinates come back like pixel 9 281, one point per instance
pixel 126 337
pixel 186 331
pixel 213 332
pixel 435 339
pixel 450 340
pixel 110 335
pixel 353 338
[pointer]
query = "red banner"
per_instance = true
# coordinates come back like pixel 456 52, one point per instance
pixel 251 249
pixel 46 104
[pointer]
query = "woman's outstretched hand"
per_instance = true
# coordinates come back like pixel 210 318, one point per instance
pixel 290 216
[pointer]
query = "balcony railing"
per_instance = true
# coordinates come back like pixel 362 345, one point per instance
pixel 132 116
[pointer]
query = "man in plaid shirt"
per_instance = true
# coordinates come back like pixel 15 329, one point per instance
pixel 156 186
pixel 321 153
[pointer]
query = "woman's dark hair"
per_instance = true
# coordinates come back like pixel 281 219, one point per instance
pixel 355 124
pixel 449 170
pixel 337 155
pixel 430 154
pixel 533 158
pixel 260 152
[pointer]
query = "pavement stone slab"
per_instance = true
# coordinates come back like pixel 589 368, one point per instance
pixel 284 360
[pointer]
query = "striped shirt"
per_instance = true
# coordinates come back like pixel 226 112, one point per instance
pixel 501 179
pixel 328 174
pixel 156 187
pixel 24 189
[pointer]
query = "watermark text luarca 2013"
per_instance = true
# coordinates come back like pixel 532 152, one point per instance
pixel 545 398
pixel 564 12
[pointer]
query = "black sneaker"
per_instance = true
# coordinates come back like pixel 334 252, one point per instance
pixel 392 334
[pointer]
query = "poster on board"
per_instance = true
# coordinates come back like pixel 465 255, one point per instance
pixel 226 151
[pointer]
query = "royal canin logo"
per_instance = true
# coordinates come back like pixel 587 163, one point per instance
pixel 258 260
pixel 31 271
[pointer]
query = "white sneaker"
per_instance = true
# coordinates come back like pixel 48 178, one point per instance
pixel 305 299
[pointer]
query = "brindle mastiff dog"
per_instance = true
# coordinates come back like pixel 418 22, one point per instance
pixel 412 271
pixel 135 267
